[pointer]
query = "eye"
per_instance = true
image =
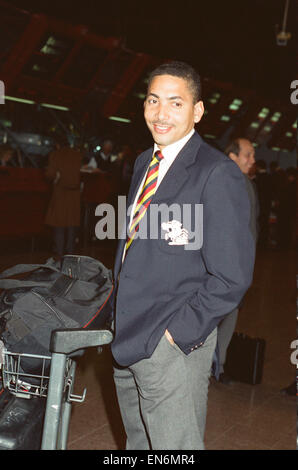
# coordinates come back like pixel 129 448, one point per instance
pixel 177 104
pixel 151 100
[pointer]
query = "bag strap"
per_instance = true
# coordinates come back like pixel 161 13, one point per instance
pixel 57 287
pixel 71 266
pixel 26 268
pixel 6 283
pixel 17 284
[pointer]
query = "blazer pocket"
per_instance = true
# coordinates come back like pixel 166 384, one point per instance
pixel 170 249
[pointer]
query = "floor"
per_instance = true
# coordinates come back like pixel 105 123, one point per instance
pixel 240 416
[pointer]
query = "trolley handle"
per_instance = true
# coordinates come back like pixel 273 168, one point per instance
pixel 67 341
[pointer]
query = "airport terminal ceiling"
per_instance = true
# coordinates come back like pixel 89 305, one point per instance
pixel 226 40
pixel 90 62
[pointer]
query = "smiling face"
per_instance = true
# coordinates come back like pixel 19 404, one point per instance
pixel 169 110
pixel 246 156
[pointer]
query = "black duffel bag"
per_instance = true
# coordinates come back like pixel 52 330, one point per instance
pixel 75 292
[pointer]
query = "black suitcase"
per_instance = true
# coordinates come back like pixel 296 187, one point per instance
pixel 21 422
pixel 245 359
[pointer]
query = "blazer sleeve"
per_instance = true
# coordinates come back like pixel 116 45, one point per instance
pixel 228 253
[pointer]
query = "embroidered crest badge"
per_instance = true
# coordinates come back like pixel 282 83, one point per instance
pixel 175 233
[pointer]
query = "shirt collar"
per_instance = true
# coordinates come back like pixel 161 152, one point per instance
pixel 171 151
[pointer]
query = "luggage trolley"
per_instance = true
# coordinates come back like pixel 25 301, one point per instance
pixel 54 381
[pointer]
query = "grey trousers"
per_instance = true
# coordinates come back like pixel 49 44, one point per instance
pixel 225 332
pixel 163 399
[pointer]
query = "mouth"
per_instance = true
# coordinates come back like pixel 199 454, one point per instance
pixel 161 129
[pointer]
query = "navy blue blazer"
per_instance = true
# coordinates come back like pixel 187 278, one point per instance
pixel 166 286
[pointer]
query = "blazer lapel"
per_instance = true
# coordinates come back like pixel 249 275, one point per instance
pixel 138 176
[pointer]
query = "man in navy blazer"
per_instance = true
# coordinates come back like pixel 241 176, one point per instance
pixel 190 266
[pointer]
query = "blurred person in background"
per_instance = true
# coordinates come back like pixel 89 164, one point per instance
pixel 64 210
pixel 104 159
pixel 6 155
pixel 242 152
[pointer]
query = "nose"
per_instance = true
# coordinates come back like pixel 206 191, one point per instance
pixel 162 112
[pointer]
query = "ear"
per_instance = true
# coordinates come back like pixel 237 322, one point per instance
pixel 198 111
pixel 233 156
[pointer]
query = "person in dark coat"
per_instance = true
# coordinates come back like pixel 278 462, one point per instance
pixel 64 209
pixel 242 152
pixel 172 290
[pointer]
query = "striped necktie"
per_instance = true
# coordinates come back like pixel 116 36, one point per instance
pixel 145 197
